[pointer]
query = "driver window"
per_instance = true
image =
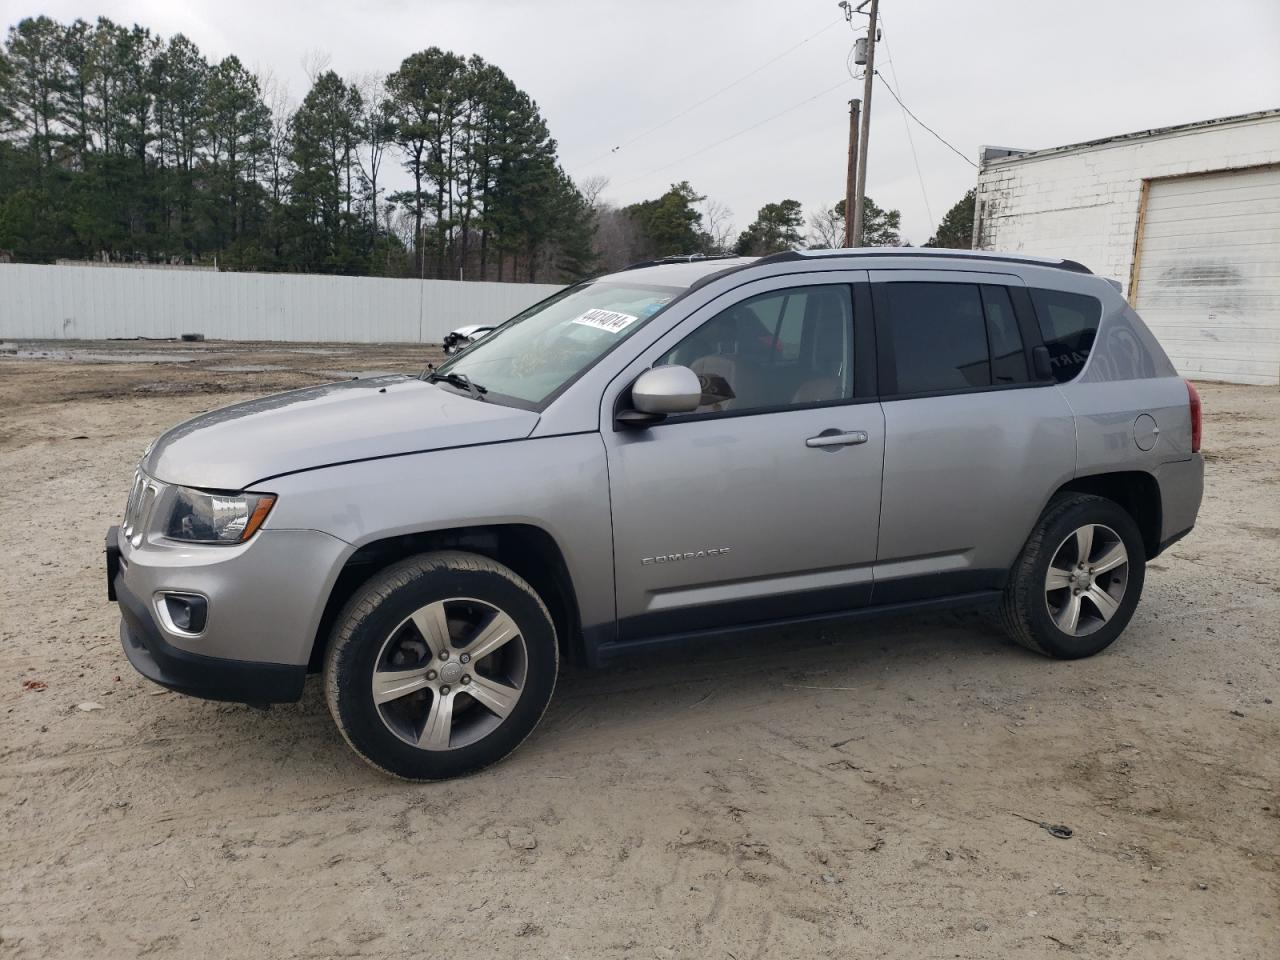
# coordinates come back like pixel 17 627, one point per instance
pixel 780 349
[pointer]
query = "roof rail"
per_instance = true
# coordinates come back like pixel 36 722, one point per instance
pixel 679 258
pixel 1052 262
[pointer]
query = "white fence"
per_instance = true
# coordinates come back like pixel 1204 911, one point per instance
pixel 88 303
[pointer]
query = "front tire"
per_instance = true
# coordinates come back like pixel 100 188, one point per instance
pixel 1077 581
pixel 440 665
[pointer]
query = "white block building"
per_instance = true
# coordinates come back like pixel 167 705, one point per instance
pixel 1186 218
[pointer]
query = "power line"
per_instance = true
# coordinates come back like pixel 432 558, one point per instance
pixel 734 136
pixel 689 109
pixel 889 87
pixel 911 140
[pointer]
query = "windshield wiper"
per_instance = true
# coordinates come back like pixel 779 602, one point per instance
pixel 459 380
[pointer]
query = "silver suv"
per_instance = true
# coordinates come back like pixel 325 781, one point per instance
pixel 674 451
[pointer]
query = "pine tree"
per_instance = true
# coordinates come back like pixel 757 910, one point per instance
pixel 670 225
pixel 956 228
pixel 325 133
pixel 776 228
pixel 238 124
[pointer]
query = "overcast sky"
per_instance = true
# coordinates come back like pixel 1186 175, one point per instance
pixel 1022 73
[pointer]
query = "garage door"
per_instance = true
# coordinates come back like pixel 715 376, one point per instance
pixel 1208 279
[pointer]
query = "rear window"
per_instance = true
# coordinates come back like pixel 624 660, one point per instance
pixel 1069 324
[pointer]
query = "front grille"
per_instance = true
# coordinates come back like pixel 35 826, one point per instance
pixel 131 506
pixel 137 511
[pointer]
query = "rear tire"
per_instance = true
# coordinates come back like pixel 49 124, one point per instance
pixel 1078 580
pixel 440 665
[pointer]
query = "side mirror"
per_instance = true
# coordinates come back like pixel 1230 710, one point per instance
pixel 660 392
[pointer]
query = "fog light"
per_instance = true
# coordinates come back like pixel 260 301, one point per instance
pixel 188 612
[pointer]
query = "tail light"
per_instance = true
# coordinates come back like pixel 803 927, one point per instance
pixel 1193 395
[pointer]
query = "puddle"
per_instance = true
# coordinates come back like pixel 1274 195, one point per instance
pixel 358 374
pixel 87 356
pixel 181 388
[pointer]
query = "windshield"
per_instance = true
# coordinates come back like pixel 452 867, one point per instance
pixel 533 355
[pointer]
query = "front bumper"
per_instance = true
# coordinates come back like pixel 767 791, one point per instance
pixel 265 601
pixel 210 678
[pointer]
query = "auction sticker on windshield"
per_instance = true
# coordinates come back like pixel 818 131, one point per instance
pixel 609 320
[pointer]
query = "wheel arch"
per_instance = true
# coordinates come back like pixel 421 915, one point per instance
pixel 1136 491
pixel 528 550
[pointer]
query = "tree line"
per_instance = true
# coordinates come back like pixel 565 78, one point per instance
pixel 683 222
pixel 119 144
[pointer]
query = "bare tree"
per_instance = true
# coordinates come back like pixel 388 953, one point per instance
pixel 378 131
pixel 717 220
pixel 315 62
pixel 275 94
pixel 617 240
pixel 591 189
pixel 401 222
pixel 826 228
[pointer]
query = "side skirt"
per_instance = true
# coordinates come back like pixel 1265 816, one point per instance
pixel 607 652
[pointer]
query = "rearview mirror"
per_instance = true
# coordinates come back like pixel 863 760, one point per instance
pixel 660 392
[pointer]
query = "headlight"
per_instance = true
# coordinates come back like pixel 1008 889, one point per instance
pixel 200 517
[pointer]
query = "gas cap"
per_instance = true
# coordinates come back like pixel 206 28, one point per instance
pixel 1145 432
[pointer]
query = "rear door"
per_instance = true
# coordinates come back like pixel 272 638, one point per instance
pixel 973 444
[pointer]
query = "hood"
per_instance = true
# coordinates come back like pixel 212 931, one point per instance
pixel 231 448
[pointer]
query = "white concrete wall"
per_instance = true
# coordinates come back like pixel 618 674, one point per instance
pixel 1083 201
pixel 55 302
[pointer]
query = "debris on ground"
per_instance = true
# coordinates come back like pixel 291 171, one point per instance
pixel 1054 829
pixel 519 839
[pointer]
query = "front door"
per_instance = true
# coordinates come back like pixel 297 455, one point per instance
pixel 763 504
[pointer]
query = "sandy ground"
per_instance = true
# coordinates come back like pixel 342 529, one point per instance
pixel 835 792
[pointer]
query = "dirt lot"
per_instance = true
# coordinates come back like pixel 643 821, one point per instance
pixel 834 792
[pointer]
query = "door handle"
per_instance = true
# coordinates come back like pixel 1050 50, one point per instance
pixel 837 438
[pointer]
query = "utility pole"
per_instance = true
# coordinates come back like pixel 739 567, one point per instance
pixel 860 189
pixel 851 175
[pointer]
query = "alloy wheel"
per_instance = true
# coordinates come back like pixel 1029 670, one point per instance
pixel 1086 580
pixel 450 674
